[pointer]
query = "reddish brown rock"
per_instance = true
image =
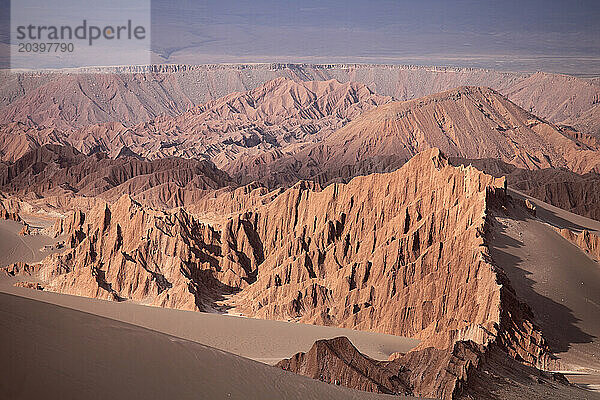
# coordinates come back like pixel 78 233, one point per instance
pixel 338 362
pixel 466 371
pixel 468 122
pixel 6 213
pixel 25 230
pixel 21 268
pixel 29 285
pixel 587 241
pixel 136 94
pixel 54 170
pixel 560 187
pixel 273 115
pixel 403 253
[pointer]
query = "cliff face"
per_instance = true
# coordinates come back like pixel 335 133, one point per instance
pixel 401 253
pixel 346 254
pixel 126 251
pixel 587 241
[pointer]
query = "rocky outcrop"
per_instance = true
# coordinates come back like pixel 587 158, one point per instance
pixel 466 371
pixel 29 285
pixel 587 241
pixel 22 269
pixel 338 362
pixel 398 253
pixel 127 251
pixel 579 194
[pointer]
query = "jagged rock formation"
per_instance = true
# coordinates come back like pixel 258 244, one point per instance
pixel 8 213
pixel 466 372
pixel 275 114
pixel 64 101
pixel 21 268
pixel 402 253
pixel 565 100
pixel 587 241
pixel 338 362
pixel 127 251
pixel 357 259
pixel 469 122
pixel 579 194
pixel 62 171
pixel 266 134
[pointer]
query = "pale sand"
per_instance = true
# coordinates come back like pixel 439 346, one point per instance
pixel 52 352
pixel 28 248
pixel 261 340
pixel 558 281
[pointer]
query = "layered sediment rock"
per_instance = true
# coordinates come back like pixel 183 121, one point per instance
pixel 401 253
pixel 579 194
pixel 126 251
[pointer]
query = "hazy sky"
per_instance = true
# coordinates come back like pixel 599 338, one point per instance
pixel 550 35
pixel 526 34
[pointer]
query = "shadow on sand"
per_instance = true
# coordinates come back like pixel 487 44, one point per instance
pixel 558 322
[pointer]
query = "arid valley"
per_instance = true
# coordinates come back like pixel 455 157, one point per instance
pixel 299 231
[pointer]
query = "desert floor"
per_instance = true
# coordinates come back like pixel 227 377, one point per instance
pixel 54 352
pixel 559 282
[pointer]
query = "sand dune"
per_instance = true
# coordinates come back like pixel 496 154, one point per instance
pixel 558 281
pixel 261 340
pixel 53 352
pixel 15 247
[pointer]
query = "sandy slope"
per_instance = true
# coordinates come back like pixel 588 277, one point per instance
pixel 261 340
pixel 15 247
pixel 558 281
pixel 53 352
